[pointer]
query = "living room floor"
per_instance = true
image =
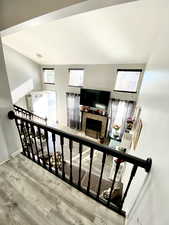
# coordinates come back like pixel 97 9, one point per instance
pixel 97 157
pixel 30 195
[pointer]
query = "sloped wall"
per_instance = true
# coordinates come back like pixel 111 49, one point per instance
pixel 23 73
pixel 10 16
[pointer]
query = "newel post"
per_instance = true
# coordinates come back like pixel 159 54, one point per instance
pixel 149 164
pixel 11 115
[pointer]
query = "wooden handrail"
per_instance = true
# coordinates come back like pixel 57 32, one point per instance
pixel 18 108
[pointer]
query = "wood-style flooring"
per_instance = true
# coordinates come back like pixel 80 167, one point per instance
pixel 30 195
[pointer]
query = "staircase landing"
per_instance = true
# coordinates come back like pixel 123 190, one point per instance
pixel 30 195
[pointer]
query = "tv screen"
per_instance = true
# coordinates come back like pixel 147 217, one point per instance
pixel 94 98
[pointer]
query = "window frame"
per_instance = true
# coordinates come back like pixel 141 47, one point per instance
pixel 69 77
pixel 128 70
pixel 47 68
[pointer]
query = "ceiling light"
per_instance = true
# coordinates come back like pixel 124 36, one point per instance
pixel 39 55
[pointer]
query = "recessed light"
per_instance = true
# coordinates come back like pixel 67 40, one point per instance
pixel 39 55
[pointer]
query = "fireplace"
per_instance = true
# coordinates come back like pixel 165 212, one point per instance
pixel 94 125
pixel 93 128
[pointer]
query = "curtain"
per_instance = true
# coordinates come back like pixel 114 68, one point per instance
pixel 73 110
pixel 127 111
pixel 112 111
pixel 121 110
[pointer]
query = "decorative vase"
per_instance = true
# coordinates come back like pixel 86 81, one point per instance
pixel 116 133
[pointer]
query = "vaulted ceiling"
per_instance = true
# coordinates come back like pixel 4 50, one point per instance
pixel 119 34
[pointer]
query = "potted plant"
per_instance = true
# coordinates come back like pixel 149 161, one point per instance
pixel 130 123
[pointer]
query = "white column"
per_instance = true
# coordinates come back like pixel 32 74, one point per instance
pixel 8 133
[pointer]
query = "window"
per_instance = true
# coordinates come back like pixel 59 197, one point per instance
pixel 120 112
pixel 76 77
pixel 49 75
pixel 127 80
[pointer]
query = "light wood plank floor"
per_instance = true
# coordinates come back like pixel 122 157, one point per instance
pixel 30 195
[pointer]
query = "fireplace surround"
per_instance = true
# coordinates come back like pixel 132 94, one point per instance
pixel 94 125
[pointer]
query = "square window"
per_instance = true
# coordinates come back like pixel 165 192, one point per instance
pixel 49 75
pixel 127 80
pixel 76 77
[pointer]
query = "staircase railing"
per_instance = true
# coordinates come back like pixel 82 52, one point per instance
pixel 64 155
pixel 28 115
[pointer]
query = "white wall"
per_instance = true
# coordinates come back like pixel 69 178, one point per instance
pixel 152 203
pixel 21 72
pixel 101 77
pixel 22 103
pixel 8 143
pixel 14 79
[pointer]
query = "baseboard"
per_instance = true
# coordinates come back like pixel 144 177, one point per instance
pixel 1 163
pixel 14 154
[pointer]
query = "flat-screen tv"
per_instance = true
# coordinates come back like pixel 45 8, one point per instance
pixel 94 98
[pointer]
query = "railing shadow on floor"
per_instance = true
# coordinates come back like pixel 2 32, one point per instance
pixel 39 144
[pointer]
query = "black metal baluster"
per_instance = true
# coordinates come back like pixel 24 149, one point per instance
pixel 46 121
pixel 63 164
pixel 20 134
pixel 133 172
pixel 30 140
pixel 40 139
pixel 34 137
pixel 114 179
pixel 54 150
pixel 47 145
pixel 91 161
pixel 70 147
pixel 23 130
pixel 100 180
pixel 80 164
pixel 16 111
pixel 26 138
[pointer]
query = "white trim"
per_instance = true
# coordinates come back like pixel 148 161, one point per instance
pixel 1 163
